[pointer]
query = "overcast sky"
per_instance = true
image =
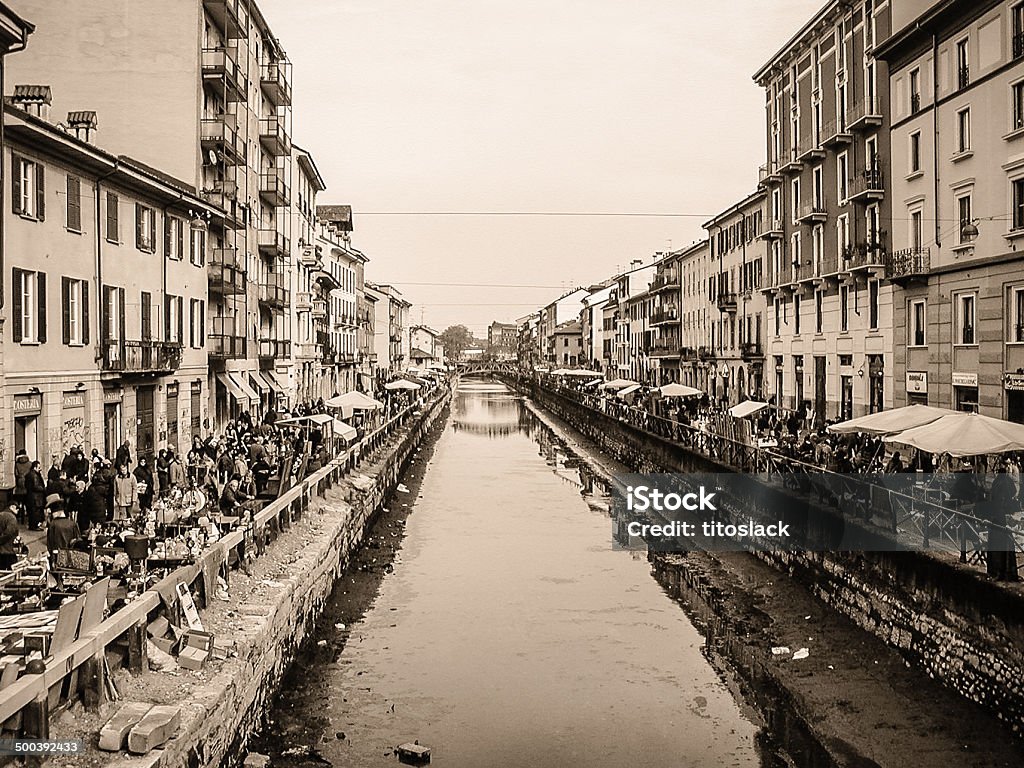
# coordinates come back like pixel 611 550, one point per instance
pixel 527 105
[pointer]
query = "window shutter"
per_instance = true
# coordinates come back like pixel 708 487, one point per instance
pixel 181 320
pixel 167 317
pixel 192 323
pixel 105 314
pixel 138 226
pixel 147 316
pixel 16 184
pixel 74 203
pixel 65 301
pixel 120 302
pixel 41 288
pixel 202 324
pixel 40 193
pixel 18 288
pixel 112 233
pixel 168 240
pixel 151 217
pixel 85 311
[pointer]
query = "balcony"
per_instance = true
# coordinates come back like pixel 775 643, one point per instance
pixel 346 358
pixel 275 349
pixel 274 244
pixel 305 350
pixel 908 264
pixel 228 16
pixel 687 354
pixel 810 149
pixel 222 76
pixel 226 272
pixel 836 133
pixel 867 185
pixel 141 356
pixel 865 115
pixel 276 82
pixel 769 173
pixel 274 138
pixel 664 282
pixel 303 301
pixel 751 351
pixel 812 213
pixel 705 354
pixel 663 349
pixel 726 301
pixel 664 316
pixel 273 292
pixel 319 309
pixel 793 164
pixel 309 256
pixel 963 76
pixel 223 341
pixel 274 188
pixel 774 229
pixel 220 136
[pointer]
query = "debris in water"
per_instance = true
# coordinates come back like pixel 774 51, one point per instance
pixel 803 653
pixel 339 625
pixel 780 650
pixel 402 489
pixel 414 752
pixel 321 643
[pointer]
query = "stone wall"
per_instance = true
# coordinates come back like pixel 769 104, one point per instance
pixel 946 618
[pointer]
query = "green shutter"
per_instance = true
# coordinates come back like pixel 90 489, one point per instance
pixel 41 288
pixel 40 192
pixel 16 184
pixel 65 302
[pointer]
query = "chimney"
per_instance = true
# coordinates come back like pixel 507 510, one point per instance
pixel 83 123
pixel 34 99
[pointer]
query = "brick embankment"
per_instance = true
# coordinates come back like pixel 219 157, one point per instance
pixel 273 607
pixel 854 701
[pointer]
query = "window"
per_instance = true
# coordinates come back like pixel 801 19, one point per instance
pixel 778 319
pixel 915 152
pixel 844 308
pixel 145 228
pixel 796 314
pixel 113 222
pixel 796 254
pixel 915 91
pixel 75 306
pixel 113 314
pixel 173 322
pixel 819 315
pixel 197 328
pixel 29 311
pixel 197 247
pixel 1017 94
pixel 74 199
pixel 817 247
pixel 963 208
pixel 873 304
pixel 1017 310
pixel 964 305
pixel 963 130
pixel 918 323
pixel 916 231
pixel 1017 195
pixel 963 70
pixel 843 236
pixel 843 177
pixel 28 188
pixel 795 199
pixel 174 238
pixel 1017 29
pixel 819 190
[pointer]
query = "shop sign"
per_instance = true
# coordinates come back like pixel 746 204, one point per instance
pixel 917 381
pixel 28 403
pixel 965 379
pixel 74 399
pixel 172 390
pixel 1014 382
pixel 112 395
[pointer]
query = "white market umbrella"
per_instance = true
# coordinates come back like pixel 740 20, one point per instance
pixel 628 390
pixel 581 372
pixel 963 434
pixel 747 408
pixel 679 390
pixel 892 421
pixel 401 384
pixel 347 431
pixel 619 384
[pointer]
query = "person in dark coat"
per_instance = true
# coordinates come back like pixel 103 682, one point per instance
pixel 163 472
pixel 144 474
pixel 62 531
pixel 75 465
pixel 8 535
pixel 35 496
pixel 22 464
pixel 123 457
pixel 1001 552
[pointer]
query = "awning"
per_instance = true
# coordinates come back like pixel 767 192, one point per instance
pixel 629 390
pixel 234 390
pixel 401 384
pixel 259 383
pixel 747 408
pixel 282 381
pixel 326 277
pixel 341 429
pixel 272 383
pixel 242 384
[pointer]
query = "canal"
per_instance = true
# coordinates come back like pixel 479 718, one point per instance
pixel 490 619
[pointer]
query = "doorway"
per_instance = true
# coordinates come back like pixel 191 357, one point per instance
pixel 144 438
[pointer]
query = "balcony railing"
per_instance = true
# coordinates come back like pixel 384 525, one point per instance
pixel 319 309
pixel 141 356
pixel 274 137
pixel 224 195
pixel 867 184
pixel 222 75
pixel 274 188
pixel 668 280
pixel 1018 45
pixel 273 292
pixel 812 213
pixel 865 114
pixel 665 349
pixel 792 164
pixel 705 354
pixel 303 301
pixel 774 229
pixel 219 135
pixel 963 76
pixel 810 148
pixel 769 173
pixel 309 256
pixel 226 272
pixel 275 80
pixel 835 131
pixel 751 350
pixel 275 348
pixel 664 315
pixel 273 243
pixel 908 263
pixel 227 15
pixel 306 350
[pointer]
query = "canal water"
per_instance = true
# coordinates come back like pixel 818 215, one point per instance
pixel 499 627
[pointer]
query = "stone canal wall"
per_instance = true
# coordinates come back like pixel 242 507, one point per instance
pixel 945 618
pixel 287 589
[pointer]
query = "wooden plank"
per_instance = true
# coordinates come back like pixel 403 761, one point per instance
pixel 114 733
pixel 159 724
pixel 7 678
pixel 69 616
pixel 95 604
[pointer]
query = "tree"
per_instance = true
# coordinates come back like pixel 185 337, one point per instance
pixel 455 338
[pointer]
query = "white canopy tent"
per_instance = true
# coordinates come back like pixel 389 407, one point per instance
pixel 401 384
pixel 963 434
pixel 892 421
pixel 619 384
pixel 747 408
pixel 679 390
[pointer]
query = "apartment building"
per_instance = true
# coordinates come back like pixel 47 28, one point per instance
pixel 563 309
pixel 666 318
pixel 737 304
pixel 696 361
pixel 391 342
pixel 341 284
pixel 631 318
pixel 829 309
pixel 592 326
pixel 501 340
pixel 106 280
pixel 957 84
pixel 426 347
pixel 202 90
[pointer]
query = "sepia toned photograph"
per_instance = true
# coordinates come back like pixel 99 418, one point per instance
pixel 532 384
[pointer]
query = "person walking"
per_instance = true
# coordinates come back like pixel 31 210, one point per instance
pixel 35 496
pixel 144 479
pixel 126 493
pixel 22 465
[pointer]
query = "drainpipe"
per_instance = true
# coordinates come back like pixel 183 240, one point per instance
pixel 935 134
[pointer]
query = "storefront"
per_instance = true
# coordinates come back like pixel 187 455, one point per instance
pixel 113 432
pixel 965 391
pixel 172 416
pixel 28 412
pixel 74 424
pixel 917 388
pixel 1013 383
pixel 876 383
